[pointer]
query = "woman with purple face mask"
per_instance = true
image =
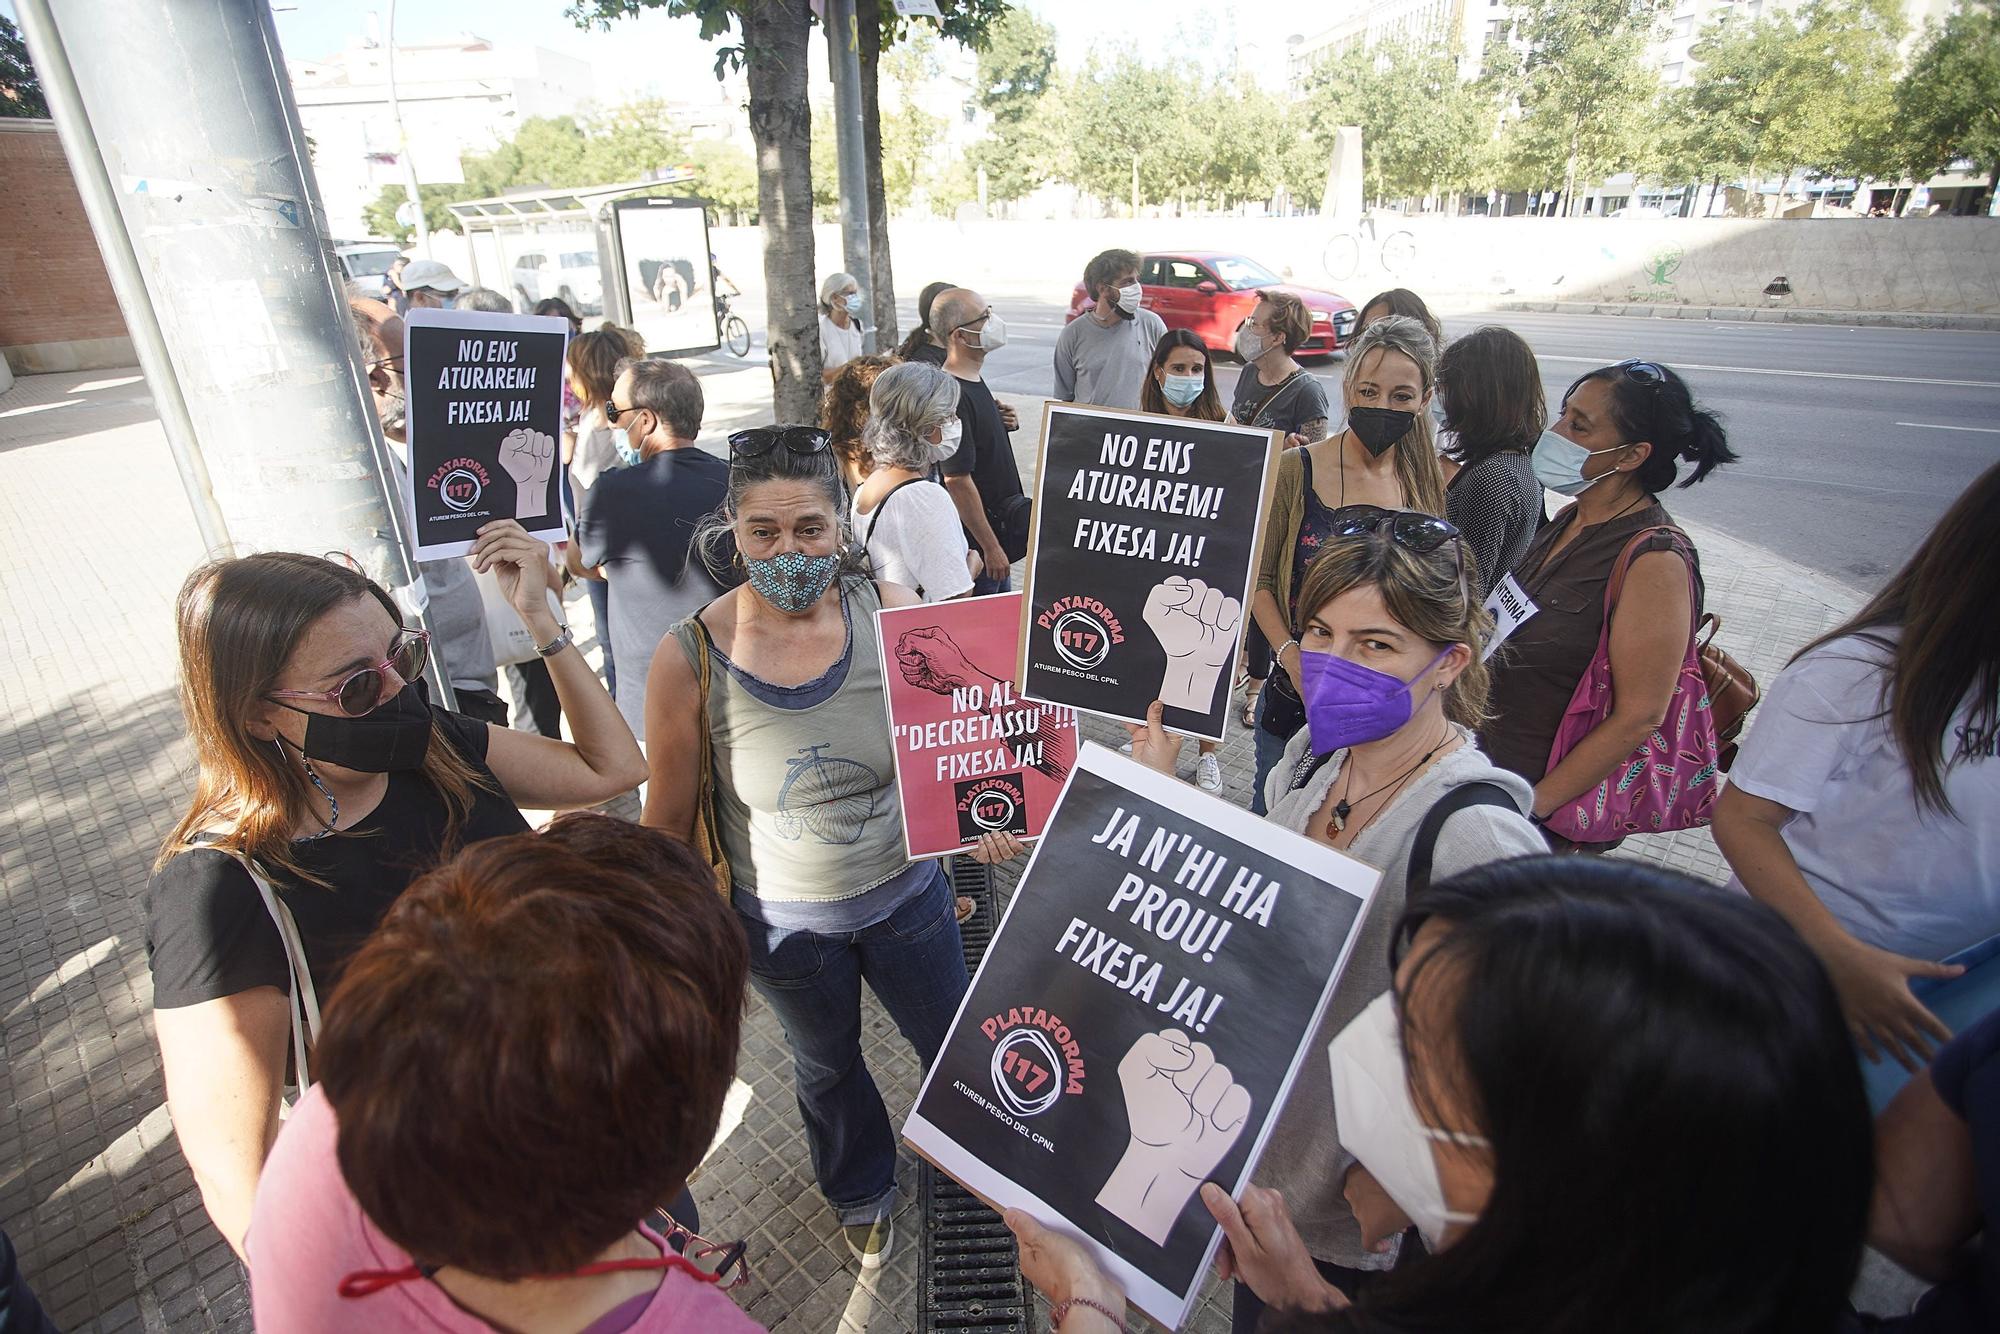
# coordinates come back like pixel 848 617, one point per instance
pixel 1389 632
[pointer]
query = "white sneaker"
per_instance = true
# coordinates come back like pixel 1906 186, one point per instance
pixel 1208 774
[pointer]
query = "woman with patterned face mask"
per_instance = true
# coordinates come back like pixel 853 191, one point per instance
pixel 805 802
pixel 1579 1049
pixel 328 780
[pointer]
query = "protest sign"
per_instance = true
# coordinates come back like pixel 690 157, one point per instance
pixel 972 756
pixel 1138 1020
pixel 484 419
pixel 1147 531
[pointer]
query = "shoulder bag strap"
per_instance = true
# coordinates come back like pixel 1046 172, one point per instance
pixel 305 998
pixel 1418 876
pixel 1277 393
pixel 883 504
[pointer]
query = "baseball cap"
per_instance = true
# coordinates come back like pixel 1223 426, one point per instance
pixel 427 273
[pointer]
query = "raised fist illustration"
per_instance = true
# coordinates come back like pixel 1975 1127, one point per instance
pixel 931 660
pixel 1185 1112
pixel 529 456
pixel 1197 627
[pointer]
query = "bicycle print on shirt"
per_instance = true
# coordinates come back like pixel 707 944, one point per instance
pixel 828 797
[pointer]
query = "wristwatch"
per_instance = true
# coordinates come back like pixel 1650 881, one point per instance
pixel 556 645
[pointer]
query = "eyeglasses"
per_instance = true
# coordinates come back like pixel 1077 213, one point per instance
pixel 758 441
pixel 1645 372
pixel 725 1256
pixel 386 363
pixel 984 316
pixel 612 412
pixel 361 691
pixel 1413 530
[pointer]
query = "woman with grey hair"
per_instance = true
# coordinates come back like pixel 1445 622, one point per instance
pixel 839 323
pixel 901 515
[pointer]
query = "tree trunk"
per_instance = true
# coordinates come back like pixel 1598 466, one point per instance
pixel 1569 171
pixel 775 34
pixel 881 282
pixel 1784 185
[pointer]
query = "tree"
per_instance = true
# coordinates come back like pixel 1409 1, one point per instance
pixel 1130 118
pixel 1017 68
pixel 1586 87
pixel 1438 150
pixel 1948 104
pixel 20 90
pixel 727 177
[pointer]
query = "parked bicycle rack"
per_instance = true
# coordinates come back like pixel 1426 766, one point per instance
pixel 969 1272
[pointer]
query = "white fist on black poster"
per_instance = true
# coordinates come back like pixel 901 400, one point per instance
pixel 1196 625
pixel 1185 1111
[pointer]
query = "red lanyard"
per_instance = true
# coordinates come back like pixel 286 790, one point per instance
pixel 367 1282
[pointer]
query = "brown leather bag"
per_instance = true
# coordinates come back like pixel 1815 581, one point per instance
pixel 1732 691
pixel 706 835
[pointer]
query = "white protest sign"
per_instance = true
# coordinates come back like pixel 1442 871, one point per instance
pixel 1510 607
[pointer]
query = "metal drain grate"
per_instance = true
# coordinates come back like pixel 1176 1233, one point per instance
pixel 968 1271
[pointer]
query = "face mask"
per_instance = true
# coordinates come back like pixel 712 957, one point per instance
pixel 853 303
pixel 1250 344
pixel 993 335
pixel 626 454
pixel 1558 464
pixel 1379 428
pixel 1181 390
pixel 1348 704
pixel 396 736
pixel 947 445
pixel 1379 1124
pixel 1129 297
pixel 791 581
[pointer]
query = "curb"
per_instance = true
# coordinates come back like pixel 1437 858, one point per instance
pixel 1888 319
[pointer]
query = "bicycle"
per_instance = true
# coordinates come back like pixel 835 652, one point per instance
pixel 735 333
pixel 1342 258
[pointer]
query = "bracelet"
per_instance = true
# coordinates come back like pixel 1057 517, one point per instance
pixel 556 645
pixel 1289 643
pixel 1062 1309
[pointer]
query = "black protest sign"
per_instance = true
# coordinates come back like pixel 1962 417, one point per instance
pixel 1139 1018
pixel 1143 559
pixel 484 424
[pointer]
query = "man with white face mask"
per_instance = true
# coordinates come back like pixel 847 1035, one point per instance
pixel 983 478
pixel 1103 354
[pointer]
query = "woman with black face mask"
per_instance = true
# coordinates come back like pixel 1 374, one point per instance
pixel 328 781
pixel 1386 456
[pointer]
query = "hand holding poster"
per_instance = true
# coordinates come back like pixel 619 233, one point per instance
pixel 1146 538
pixel 1138 1020
pixel 484 420
pixel 972 757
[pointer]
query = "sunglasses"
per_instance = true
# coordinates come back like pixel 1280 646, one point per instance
pixel 1645 372
pixel 758 441
pixel 359 693
pixel 612 412
pixel 1413 530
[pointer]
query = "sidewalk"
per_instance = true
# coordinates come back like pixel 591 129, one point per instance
pixel 93 1189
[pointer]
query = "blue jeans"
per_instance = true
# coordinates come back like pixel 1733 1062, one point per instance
pixel 915 965
pixel 1270 749
pixel 981 585
pixel 600 611
pixel 20 1313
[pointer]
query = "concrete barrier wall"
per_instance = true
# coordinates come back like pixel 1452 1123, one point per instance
pixel 1944 265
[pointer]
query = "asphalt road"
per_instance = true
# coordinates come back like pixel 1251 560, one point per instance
pixel 1853 440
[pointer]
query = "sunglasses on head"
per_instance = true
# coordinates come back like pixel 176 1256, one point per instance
pixel 360 691
pixel 758 441
pixel 1645 372
pixel 1413 530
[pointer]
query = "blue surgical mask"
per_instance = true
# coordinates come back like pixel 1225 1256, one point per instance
pixel 792 581
pixel 1558 464
pixel 626 454
pixel 1181 390
pixel 853 303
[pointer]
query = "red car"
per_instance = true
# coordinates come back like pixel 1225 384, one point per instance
pixel 1212 292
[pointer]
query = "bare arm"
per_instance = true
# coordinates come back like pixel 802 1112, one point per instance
pixel 972 513
pixel 225 1067
pixel 1649 629
pixel 1924 1209
pixel 673 741
pixel 1264 609
pixel 576 566
pixel 538 771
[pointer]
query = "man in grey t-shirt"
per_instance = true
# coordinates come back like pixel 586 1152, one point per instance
pixel 1103 354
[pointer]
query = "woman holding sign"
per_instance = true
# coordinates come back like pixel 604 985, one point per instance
pixel 1385 457
pixel 1386 769
pixel 328 781
pixel 784 677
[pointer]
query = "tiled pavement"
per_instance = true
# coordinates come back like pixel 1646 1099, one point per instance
pixel 93 769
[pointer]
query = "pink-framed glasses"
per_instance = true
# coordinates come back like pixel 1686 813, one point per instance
pixel 361 691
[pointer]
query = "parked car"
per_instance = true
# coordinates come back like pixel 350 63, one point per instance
pixel 1211 292
pixel 571 275
pixel 366 263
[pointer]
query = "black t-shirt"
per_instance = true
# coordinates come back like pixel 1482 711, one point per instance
pixel 987 452
pixel 927 352
pixel 209 935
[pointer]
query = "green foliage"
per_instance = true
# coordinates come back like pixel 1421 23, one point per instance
pixel 1948 105
pixel 1017 70
pixel 20 90
pixel 1424 130
pixel 1585 91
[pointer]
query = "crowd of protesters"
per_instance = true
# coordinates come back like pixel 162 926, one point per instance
pixel 1554 1091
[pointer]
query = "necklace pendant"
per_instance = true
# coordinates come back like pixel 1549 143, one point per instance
pixel 1340 813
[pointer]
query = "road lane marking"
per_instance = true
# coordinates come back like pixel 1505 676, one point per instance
pixel 1937 426
pixel 1809 375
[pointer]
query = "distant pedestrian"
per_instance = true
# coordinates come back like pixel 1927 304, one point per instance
pixel 843 415
pixel 1102 355
pixel 983 477
pixel 901 516
pixel 561 309
pixel 921 345
pixel 1614 447
pixel 324 766
pixel 593 361
pixel 636 527
pixel 432 1182
pixel 840 337
pixel 1399 301
pixel 427 285
pixel 1493 414
pixel 392 281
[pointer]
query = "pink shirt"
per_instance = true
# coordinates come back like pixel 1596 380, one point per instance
pixel 307 1233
